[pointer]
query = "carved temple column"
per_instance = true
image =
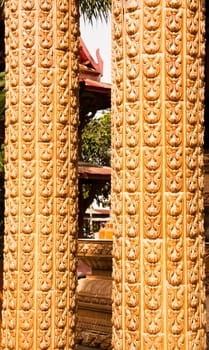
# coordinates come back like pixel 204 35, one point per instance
pixel 41 177
pixel 157 181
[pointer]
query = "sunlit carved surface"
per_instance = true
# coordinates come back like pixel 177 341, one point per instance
pixel 207 286
pixel 41 178
pixel 157 182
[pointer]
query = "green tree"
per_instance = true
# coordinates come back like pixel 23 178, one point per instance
pixel 2 95
pixel 95 149
pixel 96 140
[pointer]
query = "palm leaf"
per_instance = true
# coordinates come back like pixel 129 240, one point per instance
pixel 93 9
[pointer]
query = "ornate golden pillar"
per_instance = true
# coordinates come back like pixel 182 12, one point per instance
pixel 157 182
pixel 41 178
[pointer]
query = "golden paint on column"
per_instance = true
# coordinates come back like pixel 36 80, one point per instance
pixel 152 174
pixel 194 159
pixel 10 304
pixel 126 174
pixel 157 201
pixel 41 176
pixel 175 176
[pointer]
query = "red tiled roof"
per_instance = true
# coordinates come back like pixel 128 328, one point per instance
pixel 87 60
pixel 94 172
pixel 99 97
pixel 90 82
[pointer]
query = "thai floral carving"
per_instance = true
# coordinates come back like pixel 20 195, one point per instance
pixel 162 167
pixel 32 126
pixel 157 181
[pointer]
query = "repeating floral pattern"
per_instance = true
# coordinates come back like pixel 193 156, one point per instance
pixel 41 177
pixel 157 180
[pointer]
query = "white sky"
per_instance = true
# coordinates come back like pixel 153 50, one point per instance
pixel 98 36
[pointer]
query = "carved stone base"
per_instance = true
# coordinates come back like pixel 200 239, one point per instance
pixel 94 328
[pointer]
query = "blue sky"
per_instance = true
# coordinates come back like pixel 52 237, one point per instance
pixel 98 36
